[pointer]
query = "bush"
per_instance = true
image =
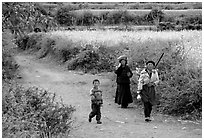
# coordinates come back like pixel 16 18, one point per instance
pixel 64 16
pixel 68 53
pixel 178 76
pixel 115 17
pixel 87 18
pixel 33 113
pixel 85 61
pixel 90 59
pixel 30 41
pixel 181 92
pixel 9 65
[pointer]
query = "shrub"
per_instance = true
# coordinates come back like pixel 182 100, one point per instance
pixel 9 65
pixel 30 41
pixel 179 73
pixel 115 17
pixel 29 112
pixel 85 61
pixel 90 59
pixel 64 16
pixel 68 53
pixel 33 113
pixel 181 92
pixel 87 18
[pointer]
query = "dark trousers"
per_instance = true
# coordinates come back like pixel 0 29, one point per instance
pixel 96 111
pixel 147 109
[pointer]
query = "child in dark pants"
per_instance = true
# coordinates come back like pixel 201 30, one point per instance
pixel 96 101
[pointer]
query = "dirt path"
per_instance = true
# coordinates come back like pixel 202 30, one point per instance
pixel 74 89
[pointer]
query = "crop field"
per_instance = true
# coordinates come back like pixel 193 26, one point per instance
pixel 191 41
pixel 139 5
pixel 189 12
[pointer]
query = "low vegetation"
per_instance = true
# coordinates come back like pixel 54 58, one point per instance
pixel 29 112
pixel 33 112
pixel 176 19
pixel 179 92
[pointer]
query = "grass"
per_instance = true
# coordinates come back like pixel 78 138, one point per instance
pixel 191 40
pixel 97 51
pixel 138 5
pixel 29 112
pixel 142 12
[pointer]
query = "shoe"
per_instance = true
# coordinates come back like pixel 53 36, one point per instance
pixel 99 122
pixel 148 119
pixel 89 119
pixel 123 106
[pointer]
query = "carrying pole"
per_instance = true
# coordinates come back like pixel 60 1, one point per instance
pixel 159 59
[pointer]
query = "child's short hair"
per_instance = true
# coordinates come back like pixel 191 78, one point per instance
pixel 96 80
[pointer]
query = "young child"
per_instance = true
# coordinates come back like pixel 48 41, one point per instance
pixel 96 101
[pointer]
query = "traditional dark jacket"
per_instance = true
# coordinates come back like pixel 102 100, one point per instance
pixel 122 75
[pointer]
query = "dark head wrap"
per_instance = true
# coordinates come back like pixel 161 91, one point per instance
pixel 150 62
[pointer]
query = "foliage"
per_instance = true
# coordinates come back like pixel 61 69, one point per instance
pixel 9 65
pixel 32 113
pixel 180 89
pixel 134 17
pixel 93 60
pixel 179 69
pixel 87 18
pixel 23 17
pixel 138 5
pixel 181 92
pixel 64 16
pixel 29 112
pixel 155 14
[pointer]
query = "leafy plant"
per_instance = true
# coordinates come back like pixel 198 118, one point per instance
pixel 29 112
pixel 34 112
pixel 9 65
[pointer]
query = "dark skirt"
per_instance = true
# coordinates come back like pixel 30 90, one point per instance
pixel 123 95
pixel 148 94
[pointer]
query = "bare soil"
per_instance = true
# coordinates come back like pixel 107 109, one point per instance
pixel 73 87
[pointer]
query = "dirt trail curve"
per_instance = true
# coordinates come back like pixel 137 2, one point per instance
pixel 74 89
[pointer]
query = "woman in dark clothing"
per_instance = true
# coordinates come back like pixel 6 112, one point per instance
pixel 123 94
pixel 146 88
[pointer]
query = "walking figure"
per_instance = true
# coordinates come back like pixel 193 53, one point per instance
pixel 96 101
pixel 123 95
pixel 146 88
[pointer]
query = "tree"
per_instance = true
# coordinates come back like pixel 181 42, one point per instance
pixel 64 16
pixel 22 17
pixel 155 16
pixel 127 18
pixel 87 18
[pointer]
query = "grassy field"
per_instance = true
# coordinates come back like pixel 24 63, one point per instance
pixel 189 12
pixel 190 40
pixel 134 5
pixel 180 90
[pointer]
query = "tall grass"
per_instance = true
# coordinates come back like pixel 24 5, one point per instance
pixel 29 112
pixel 142 12
pixel 191 41
pixel 180 89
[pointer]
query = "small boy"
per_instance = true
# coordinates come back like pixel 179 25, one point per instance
pixel 96 101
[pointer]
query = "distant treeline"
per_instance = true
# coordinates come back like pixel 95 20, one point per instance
pixel 66 16
pixel 132 5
